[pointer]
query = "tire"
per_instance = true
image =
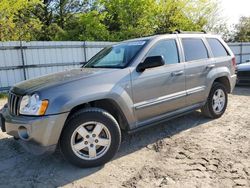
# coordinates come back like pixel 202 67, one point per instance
pixel 208 109
pixel 91 137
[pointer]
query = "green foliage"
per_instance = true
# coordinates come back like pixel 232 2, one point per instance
pixel 190 15
pixel 242 29
pixel 128 18
pixel 17 21
pixel 112 20
pixel 87 26
pixel 3 96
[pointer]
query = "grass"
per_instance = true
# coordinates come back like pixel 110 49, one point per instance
pixel 3 96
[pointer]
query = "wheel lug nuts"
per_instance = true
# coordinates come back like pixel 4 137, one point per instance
pixel 96 141
pixel 85 142
pixel 93 135
pixel 87 136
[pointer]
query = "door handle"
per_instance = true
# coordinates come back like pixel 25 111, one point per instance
pixel 210 66
pixel 177 73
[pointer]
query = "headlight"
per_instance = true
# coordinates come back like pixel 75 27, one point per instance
pixel 32 105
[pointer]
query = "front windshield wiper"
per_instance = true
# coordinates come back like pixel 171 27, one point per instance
pixel 108 67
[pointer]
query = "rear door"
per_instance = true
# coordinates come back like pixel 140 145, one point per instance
pixel 161 89
pixel 197 67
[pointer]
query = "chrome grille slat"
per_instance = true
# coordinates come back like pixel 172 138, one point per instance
pixel 13 103
pixel 9 101
pixel 18 105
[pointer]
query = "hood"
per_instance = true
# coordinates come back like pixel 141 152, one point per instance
pixel 56 79
pixel 243 67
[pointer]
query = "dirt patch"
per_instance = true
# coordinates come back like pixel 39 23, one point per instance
pixel 191 151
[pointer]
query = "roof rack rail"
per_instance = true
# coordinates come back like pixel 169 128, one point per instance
pixel 177 31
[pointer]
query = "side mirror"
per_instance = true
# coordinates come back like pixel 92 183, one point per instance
pixel 150 62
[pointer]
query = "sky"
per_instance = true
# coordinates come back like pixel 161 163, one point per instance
pixel 232 10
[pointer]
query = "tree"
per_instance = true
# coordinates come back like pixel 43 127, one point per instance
pixel 242 30
pixel 112 20
pixel 85 26
pixel 128 18
pixel 17 21
pixel 191 15
pixel 57 15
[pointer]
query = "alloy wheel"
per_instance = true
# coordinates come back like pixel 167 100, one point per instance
pixel 90 140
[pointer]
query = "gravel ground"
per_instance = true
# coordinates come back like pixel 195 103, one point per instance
pixel 190 151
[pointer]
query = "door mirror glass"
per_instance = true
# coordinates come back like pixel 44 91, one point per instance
pixel 150 62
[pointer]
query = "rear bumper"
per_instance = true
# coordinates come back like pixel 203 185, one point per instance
pixel 38 135
pixel 233 82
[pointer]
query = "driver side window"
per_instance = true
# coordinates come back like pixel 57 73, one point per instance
pixel 167 49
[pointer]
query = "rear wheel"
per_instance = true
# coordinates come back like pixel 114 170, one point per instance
pixel 91 137
pixel 217 101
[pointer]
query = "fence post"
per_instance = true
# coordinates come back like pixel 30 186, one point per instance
pixel 22 58
pixel 85 52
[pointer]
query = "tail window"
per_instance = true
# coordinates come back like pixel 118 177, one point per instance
pixel 217 48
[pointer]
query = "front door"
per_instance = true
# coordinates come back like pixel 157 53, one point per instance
pixel 159 90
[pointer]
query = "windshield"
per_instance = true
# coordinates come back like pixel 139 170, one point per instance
pixel 117 56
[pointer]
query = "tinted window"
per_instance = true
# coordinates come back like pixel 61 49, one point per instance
pixel 167 49
pixel 194 49
pixel 217 48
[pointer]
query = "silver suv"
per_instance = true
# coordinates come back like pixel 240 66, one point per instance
pixel 125 87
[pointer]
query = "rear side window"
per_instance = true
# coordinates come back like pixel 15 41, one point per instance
pixel 194 49
pixel 167 49
pixel 217 48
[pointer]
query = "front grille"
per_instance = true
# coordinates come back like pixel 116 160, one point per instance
pixel 244 82
pixel 243 74
pixel 14 103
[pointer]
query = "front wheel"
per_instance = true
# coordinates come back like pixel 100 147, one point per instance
pixel 91 137
pixel 217 101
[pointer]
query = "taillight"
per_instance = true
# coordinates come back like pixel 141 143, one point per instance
pixel 234 62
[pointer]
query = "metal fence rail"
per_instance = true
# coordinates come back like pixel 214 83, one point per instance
pixel 25 60
pixel 21 60
pixel 241 51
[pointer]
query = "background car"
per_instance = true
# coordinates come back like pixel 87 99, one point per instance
pixel 243 73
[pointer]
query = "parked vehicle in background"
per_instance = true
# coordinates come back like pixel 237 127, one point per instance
pixel 243 73
pixel 125 87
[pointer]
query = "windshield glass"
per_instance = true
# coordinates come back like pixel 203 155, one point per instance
pixel 117 56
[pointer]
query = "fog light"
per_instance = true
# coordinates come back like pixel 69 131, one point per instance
pixel 23 133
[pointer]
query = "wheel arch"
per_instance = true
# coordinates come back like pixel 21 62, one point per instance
pixel 106 104
pixel 225 81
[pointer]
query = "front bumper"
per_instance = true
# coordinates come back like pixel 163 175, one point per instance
pixel 38 135
pixel 243 77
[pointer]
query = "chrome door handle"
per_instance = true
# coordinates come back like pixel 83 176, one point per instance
pixel 210 66
pixel 178 73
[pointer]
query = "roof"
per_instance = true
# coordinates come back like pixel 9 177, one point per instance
pixel 179 33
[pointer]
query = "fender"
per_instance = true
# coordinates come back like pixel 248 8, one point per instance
pixel 62 99
pixel 214 74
